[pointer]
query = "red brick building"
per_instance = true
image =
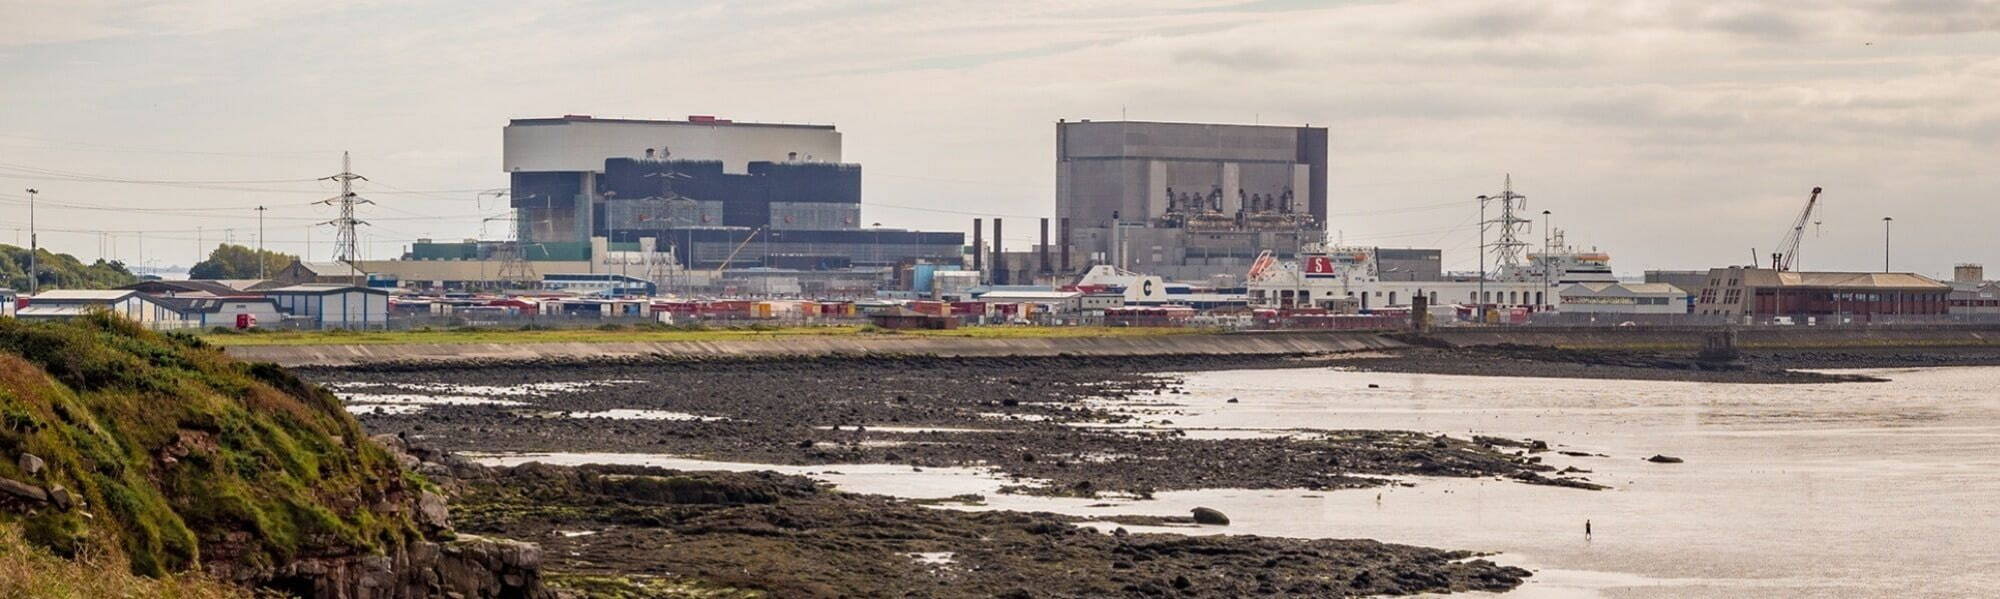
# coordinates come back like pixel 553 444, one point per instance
pixel 1762 293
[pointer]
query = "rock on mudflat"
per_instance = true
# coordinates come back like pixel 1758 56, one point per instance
pixel 1664 459
pixel 1204 515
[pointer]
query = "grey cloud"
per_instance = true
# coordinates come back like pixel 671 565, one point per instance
pixel 1491 23
pixel 1757 24
pixel 1933 17
pixel 1245 59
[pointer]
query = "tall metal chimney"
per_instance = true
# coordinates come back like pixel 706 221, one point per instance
pixel 978 244
pixel 999 263
pixel 1043 254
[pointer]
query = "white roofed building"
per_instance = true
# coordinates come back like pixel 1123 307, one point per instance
pixel 1623 298
pixel 334 306
pixel 148 311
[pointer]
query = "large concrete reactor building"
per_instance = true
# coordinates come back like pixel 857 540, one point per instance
pixel 1145 170
pixel 704 187
pixel 556 163
pixel 1190 200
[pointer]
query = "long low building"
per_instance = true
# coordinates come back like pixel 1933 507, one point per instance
pixel 1623 298
pixel 334 306
pixel 185 305
pixel 1975 298
pixel 1763 293
pixel 149 311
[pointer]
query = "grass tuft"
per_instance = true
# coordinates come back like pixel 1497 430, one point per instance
pixel 27 570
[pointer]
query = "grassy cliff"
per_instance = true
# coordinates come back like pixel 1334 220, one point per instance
pixel 28 571
pixel 176 457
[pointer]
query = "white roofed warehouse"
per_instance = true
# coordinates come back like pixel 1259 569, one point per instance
pixel 1623 298
pixel 334 306
pixel 148 311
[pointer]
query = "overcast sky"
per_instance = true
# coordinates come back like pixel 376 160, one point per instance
pixel 1670 134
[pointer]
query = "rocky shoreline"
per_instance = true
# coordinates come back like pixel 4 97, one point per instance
pixel 1017 416
pixel 1754 367
pixel 1054 425
pixel 647 531
pixel 644 531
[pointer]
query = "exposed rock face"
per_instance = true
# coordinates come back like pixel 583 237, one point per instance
pixel 469 567
pixel 458 566
pixel 431 512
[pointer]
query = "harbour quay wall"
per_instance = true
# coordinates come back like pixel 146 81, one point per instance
pixel 1689 338
pixel 1249 343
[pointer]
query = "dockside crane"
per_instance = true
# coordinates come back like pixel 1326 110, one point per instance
pixel 1788 249
pixel 739 248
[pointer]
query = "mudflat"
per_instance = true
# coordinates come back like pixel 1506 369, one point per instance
pixel 1055 425
pixel 1053 422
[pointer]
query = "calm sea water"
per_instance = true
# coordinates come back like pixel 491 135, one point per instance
pixel 1848 490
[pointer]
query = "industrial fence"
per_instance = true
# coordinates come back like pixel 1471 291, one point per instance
pixel 1226 322
pixel 546 321
pixel 1574 319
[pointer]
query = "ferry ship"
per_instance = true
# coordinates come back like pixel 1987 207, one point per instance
pixel 1348 278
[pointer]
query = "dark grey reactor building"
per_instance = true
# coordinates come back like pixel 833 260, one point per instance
pixel 1189 201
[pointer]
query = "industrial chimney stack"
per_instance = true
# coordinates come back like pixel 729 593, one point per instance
pixel 999 263
pixel 1064 236
pixel 1043 250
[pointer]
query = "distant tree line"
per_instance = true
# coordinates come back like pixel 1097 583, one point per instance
pixel 230 261
pixel 61 271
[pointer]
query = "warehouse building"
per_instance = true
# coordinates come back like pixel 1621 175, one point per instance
pixel 1623 298
pixel 149 311
pixel 1762 294
pixel 1971 293
pixel 332 306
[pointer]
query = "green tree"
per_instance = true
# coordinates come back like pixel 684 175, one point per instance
pixel 60 271
pixel 230 261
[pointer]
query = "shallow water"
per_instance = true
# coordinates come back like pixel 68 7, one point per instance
pixel 631 414
pixel 1850 490
pixel 408 403
pixel 1843 490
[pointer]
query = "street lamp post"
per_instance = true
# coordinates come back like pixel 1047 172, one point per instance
pixel 1480 301
pixel 34 247
pixel 1885 242
pixel 1548 263
pixel 260 242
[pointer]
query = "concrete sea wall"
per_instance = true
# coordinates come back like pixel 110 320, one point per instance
pixel 1274 343
pixel 1255 343
pixel 1688 338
